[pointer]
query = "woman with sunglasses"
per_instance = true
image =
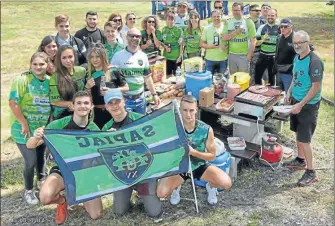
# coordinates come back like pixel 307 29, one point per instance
pixel 172 37
pixel 29 103
pixel 112 44
pixel 192 35
pixel 101 78
pixel 116 21
pixel 151 36
pixel 130 23
pixel 67 81
pixel 49 46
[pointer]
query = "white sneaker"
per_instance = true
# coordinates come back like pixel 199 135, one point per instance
pixel 30 197
pixel 212 192
pixel 175 196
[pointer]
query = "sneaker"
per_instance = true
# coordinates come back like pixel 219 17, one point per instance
pixel 61 213
pixel 295 164
pixel 30 197
pixel 308 178
pixel 175 196
pixel 212 193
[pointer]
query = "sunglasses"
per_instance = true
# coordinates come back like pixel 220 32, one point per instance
pixel 134 36
pixel 284 26
pixel 256 10
pixel 218 7
pixel 151 22
pixel 131 18
pixel 117 20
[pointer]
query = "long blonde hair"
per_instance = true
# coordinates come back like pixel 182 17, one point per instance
pixel 102 54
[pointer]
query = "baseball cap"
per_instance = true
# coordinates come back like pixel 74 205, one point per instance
pixel 266 4
pixel 286 21
pixel 183 3
pixel 112 94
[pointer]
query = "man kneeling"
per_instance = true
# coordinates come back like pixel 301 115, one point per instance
pixel 51 189
pixel 202 149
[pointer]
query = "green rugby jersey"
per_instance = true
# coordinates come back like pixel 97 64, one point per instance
pixel 192 40
pixel 197 139
pixel 32 95
pixel 79 76
pixel 171 37
pixel 268 47
pixel 135 67
pixel 240 43
pixel 112 50
pixel 146 37
pixel 131 115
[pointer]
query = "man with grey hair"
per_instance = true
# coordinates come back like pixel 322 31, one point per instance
pixel 305 95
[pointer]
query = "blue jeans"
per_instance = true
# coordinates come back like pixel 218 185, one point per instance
pixel 286 79
pixel 153 7
pixel 225 6
pixel 218 66
pixel 136 105
pixel 202 9
pixel 209 10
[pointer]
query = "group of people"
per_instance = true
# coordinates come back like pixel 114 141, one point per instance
pixel 95 80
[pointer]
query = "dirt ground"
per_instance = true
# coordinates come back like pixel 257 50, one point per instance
pixel 259 196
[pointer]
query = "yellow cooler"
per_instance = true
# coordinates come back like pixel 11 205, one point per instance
pixel 242 78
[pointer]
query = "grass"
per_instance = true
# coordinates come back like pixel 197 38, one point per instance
pixel 251 201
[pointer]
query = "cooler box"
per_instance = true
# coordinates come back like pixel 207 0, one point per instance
pixel 196 81
pixel 242 78
pixel 223 161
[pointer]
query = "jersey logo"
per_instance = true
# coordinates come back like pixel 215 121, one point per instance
pixel 316 72
pixel 127 163
pixel 140 62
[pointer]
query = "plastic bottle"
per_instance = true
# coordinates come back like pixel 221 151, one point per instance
pixel 178 76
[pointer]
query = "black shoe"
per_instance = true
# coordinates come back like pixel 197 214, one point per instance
pixel 295 164
pixel 308 178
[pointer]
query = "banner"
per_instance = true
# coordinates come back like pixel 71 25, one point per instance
pixel 95 163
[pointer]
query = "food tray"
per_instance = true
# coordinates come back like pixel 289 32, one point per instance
pixel 242 97
pixel 236 143
pixel 228 108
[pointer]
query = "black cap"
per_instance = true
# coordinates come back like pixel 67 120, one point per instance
pixel 286 21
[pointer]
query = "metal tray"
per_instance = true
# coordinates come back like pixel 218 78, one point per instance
pixel 241 99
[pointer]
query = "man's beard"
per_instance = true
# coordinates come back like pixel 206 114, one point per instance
pixel 88 25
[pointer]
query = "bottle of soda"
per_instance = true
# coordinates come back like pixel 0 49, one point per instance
pixel 216 41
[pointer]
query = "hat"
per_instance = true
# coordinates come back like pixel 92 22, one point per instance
pixel 183 3
pixel 113 94
pixel 286 21
pixel 266 4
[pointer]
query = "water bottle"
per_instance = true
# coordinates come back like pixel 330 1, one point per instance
pixel 178 76
pixel 103 82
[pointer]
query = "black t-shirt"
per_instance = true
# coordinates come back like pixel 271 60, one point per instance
pixel 89 37
pixel 117 80
pixel 286 51
pixel 125 121
pixel 73 126
pixel 257 23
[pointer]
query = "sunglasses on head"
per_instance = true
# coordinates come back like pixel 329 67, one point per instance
pixel 117 20
pixel 134 36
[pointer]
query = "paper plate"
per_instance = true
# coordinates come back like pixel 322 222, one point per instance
pixel 284 109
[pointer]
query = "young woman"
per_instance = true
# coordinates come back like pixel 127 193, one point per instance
pixel 173 45
pixel 151 36
pixel 49 46
pixel 192 35
pixel 130 23
pixel 68 80
pixel 112 44
pixel 29 102
pixel 63 37
pixel 101 78
pixel 116 20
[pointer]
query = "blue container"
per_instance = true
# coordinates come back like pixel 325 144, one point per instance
pixel 196 81
pixel 223 161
